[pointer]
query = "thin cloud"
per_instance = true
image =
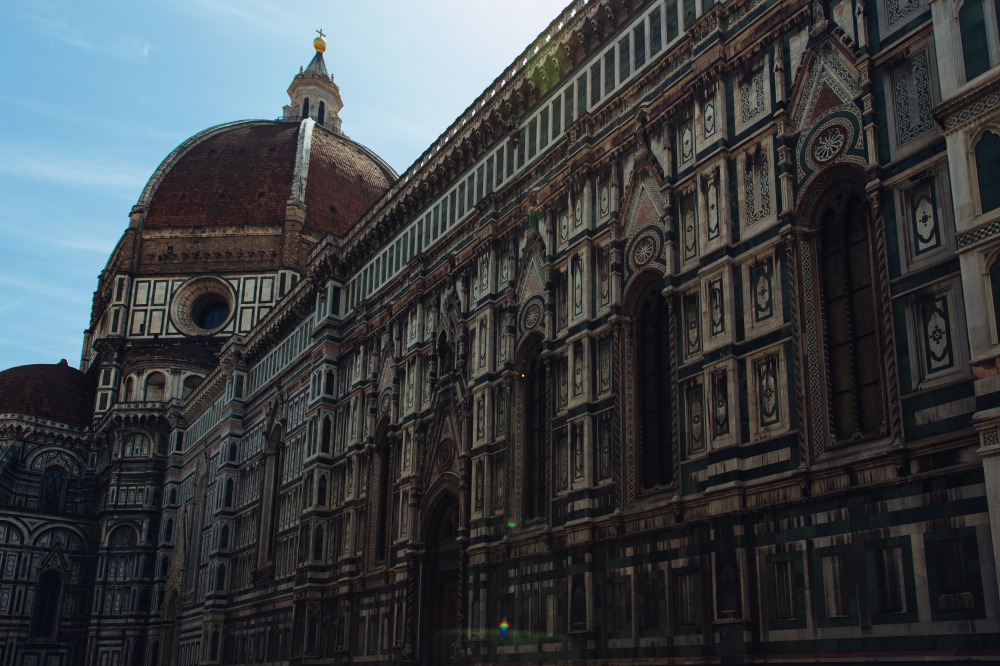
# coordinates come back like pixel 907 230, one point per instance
pixel 120 181
pixel 260 14
pixel 125 48
pixel 50 292
pixel 91 244
pixel 117 127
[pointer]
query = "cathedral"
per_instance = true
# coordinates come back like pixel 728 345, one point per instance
pixel 679 346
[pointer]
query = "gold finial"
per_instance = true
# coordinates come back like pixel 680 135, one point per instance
pixel 320 43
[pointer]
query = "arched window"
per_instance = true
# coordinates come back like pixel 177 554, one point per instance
pixel 305 108
pixel 325 434
pixel 232 452
pixel 988 170
pixel 854 374
pixel 534 436
pixel 321 492
pixel 321 116
pixel 318 543
pixel 168 530
pixel 129 390
pixel 652 373
pixel 224 537
pixel 213 654
pixel 53 490
pixel 123 537
pixel 156 385
pixel 137 445
pixel 191 382
pixel 328 384
pixel 228 502
pixel 45 614
pixel 220 577
pixel 164 566
pixel 173 497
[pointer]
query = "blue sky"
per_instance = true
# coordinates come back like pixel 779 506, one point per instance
pixel 93 95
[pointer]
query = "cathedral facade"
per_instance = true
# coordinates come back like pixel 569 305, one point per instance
pixel 680 345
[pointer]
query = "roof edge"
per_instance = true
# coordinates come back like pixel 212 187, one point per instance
pixel 180 151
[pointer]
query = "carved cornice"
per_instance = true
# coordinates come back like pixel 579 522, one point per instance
pixel 964 109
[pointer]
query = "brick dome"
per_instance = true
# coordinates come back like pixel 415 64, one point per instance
pixel 246 173
pixel 57 392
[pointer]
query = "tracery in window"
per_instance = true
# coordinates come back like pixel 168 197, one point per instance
pixel 53 489
pixel 852 343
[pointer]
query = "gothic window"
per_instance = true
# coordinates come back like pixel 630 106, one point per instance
pixel 213 654
pixel 137 445
pixel 534 436
pixel 191 382
pixel 321 116
pixel 233 450
pixel 652 377
pixel 853 351
pixel 220 578
pixel 321 492
pixel 156 385
pixel 168 530
pixel 224 537
pixel 325 434
pixel 45 614
pixel 977 23
pixel 123 537
pixel 53 490
pixel 988 170
pixel 228 501
pixel 318 534
pixel 305 108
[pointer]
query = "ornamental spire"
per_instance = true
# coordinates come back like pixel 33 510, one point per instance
pixel 313 92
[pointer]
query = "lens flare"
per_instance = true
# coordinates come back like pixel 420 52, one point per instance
pixel 503 629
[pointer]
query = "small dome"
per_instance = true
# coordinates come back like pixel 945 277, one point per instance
pixel 57 392
pixel 242 174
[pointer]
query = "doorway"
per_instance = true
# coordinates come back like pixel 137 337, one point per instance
pixel 439 611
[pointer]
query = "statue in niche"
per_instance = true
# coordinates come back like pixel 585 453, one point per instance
pixel 274 428
pixel 818 11
pixel 481 417
pixel 479 485
pixel 577 288
pixel 578 451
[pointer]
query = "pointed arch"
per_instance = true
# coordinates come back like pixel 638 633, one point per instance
pixel 530 446
pixel 652 452
pixel 848 363
pixel 826 117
